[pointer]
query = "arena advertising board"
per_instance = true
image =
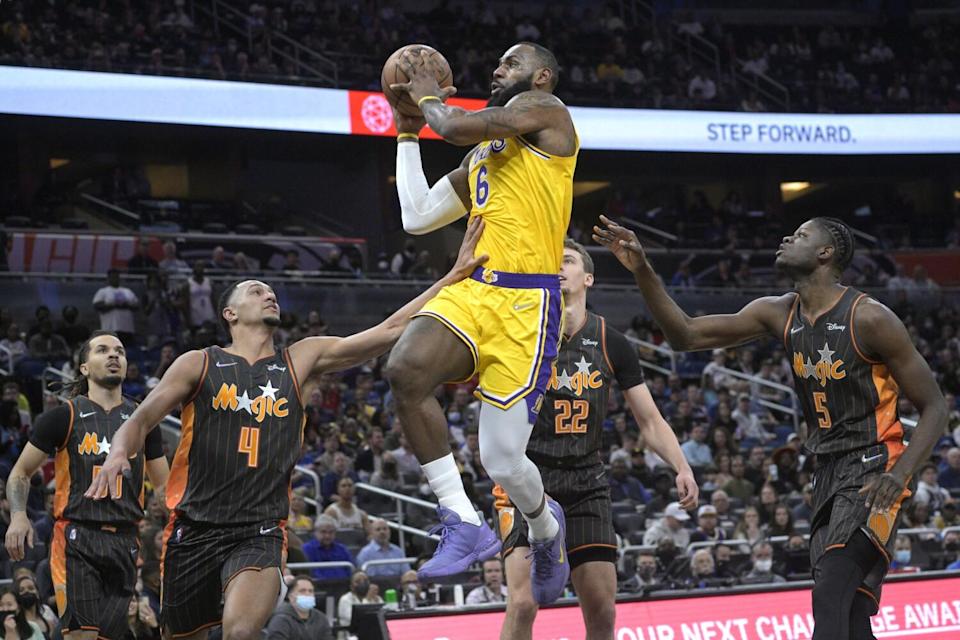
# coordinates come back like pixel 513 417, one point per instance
pixel 922 610
pixel 187 101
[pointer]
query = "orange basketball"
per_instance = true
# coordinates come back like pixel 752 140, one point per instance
pixel 393 74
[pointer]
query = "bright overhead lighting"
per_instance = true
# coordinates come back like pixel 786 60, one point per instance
pixel 793 187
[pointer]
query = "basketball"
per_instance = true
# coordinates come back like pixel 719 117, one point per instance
pixel 393 74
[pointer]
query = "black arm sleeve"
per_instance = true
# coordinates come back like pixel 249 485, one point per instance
pixel 623 358
pixel 50 429
pixel 153 447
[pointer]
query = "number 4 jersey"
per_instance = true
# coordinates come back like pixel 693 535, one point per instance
pixel 569 429
pixel 242 432
pixel 849 400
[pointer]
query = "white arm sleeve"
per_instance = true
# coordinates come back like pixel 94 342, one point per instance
pixel 423 209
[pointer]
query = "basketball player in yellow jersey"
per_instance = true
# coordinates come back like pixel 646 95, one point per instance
pixel 504 321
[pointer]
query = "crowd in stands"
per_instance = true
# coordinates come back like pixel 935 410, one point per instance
pixel 754 475
pixel 606 58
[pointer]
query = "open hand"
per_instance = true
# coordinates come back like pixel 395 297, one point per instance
pixel 423 72
pixel 466 261
pixel 622 242
pixel 882 492
pixel 107 481
pixel 19 536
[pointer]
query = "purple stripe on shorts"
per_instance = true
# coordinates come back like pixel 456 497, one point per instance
pixel 551 346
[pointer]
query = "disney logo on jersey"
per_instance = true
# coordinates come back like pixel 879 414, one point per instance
pixel 825 369
pixel 266 404
pixel 91 446
pixel 581 379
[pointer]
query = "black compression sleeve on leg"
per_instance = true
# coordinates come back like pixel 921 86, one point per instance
pixel 839 573
pixel 860 612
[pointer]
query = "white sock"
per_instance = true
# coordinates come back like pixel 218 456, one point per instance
pixel 444 479
pixel 544 527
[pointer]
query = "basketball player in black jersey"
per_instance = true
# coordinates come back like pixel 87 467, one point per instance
pixel 93 555
pixel 851 357
pixel 243 421
pixel 565 445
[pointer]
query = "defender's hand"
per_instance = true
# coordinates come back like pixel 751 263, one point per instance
pixel 622 242
pixel 20 530
pixel 882 492
pixel 105 484
pixel 466 261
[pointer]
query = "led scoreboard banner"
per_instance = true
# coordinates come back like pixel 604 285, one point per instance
pixel 217 103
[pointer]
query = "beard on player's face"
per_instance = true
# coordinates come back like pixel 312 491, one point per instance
pixel 507 92
pixel 108 380
pixel 271 321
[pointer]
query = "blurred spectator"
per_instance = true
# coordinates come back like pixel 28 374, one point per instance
pixel 370 458
pixel 671 526
pixel 701 88
pixel 739 487
pixel 361 592
pixel 159 306
pixel 951 546
pixel 663 484
pixel 761 571
pixel 803 512
pixel 116 305
pixel 623 486
pixel 720 501
pixel 949 516
pixel 707 529
pixel 696 450
pixel 134 385
pixel 171 264
pixel 755 470
pixel 35 610
pixel 218 260
pixel 703 570
pixel 344 510
pixel 949 477
pixel 403 260
pixel 298 521
pixel 142 620
pixel 412 594
pixel 492 589
pixel 929 492
pixel 782 524
pixel 380 548
pixel 14 342
pixel 48 345
pixel 388 476
pixel 331 480
pixel 749 424
pixel 71 329
pixel 903 560
pixel 769 500
pixel 786 480
pixel 198 294
pixel 141 262
pixel 644 576
pixel 323 547
pixel 292 261
pixel 749 527
pixel 406 459
pixel 298 617
pixel 15 621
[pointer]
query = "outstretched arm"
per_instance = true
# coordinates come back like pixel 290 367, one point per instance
pixel 883 338
pixel 180 380
pixel 658 434
pixel 764 316
pixel 315 355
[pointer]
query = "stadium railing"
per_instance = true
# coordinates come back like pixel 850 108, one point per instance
pixel 386 562
pixel 662 349
pixel 402 499
pixel 793 410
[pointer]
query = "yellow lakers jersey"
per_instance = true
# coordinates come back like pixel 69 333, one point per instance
pixel 525 197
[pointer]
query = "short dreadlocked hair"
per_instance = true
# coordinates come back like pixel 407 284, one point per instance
pixel 843 242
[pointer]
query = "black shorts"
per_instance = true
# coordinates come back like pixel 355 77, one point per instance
pixel 94 571
pixel 839 510
pixel 199 560
pixel 585 497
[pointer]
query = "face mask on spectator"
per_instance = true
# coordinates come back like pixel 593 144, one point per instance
pixel 28 600
pixel 361 588
pixel 646 572
pixel 902 556
pixel 763 566
pixel 306 602
pixel 952 546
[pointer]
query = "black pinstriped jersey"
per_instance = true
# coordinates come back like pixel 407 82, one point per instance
pixel 242 433
pixel 849 401
pixel 569 428
pixel 78 433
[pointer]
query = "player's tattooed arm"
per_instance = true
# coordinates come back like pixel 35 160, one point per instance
pixel 763 316
pixel 312 356
pixel 881 337
pixel 20 531
pixel 529 112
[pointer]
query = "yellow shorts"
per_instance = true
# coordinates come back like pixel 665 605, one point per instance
pixel 511 323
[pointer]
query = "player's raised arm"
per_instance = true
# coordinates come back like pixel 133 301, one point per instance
pixel 180 380
pixel 661 438
pixel 315 355
pixel 882 337
pixel 763 316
